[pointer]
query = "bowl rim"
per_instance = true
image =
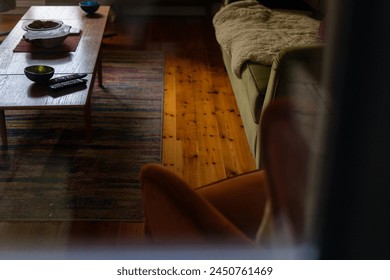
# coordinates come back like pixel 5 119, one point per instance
pixel 89 3
pixel 25 25
pixel 26 69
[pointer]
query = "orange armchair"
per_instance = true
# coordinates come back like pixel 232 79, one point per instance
pixel 232 210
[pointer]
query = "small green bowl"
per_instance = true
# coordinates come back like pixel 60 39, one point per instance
pixel 40 74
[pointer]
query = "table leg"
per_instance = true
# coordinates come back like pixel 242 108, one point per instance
pixel 100 69
pixel 3 129
pixel 87 120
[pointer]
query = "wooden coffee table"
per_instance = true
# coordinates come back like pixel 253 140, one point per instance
pixel 19 93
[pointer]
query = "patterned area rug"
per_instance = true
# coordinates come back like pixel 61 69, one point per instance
pixel 50 173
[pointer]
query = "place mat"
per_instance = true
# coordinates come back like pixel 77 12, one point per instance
pixel 69 45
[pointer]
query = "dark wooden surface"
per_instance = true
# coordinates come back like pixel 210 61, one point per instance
pixel 18 92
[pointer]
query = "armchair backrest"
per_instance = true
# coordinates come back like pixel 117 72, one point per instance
pixel 179 215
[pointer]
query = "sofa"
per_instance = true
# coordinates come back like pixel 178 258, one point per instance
pixel 258 39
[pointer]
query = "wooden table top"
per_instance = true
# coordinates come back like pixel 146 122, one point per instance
pixel 18 92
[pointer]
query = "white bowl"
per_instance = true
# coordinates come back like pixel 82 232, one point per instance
pixel 48 38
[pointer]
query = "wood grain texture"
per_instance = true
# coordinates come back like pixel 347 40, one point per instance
pixel 17 92
pixel 200 114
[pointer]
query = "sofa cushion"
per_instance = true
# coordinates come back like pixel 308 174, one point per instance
pixel 241 87
pixel 260 74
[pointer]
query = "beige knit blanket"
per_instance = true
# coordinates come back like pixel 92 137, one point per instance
pixel 247 30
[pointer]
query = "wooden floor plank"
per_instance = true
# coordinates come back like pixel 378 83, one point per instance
pixel 170 114
pixel 210 152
